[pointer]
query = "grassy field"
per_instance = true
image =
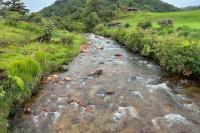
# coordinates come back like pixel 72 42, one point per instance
pixel 184 18
pixel 26 60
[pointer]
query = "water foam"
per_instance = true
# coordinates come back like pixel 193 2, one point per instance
pixel 152 88
pixel 124 113
pixel 136 93
pixel 169 120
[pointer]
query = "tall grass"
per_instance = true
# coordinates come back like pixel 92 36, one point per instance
pixel 26 62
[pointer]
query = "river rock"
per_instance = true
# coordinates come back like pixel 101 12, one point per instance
pixel 118 55
pixel 109 92
pixel 65 67
pixel 97 72
pixel 100 47
pixel 154 82
pixel 68 79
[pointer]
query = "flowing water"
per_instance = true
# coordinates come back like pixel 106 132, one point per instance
pixel 132 95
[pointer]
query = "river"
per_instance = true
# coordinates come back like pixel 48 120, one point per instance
pixel 131 95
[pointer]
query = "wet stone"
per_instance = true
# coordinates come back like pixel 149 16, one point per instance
pixel 97 72
pixel 153 82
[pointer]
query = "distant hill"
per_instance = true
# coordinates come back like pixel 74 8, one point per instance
pixel 192 8
pixel 67 7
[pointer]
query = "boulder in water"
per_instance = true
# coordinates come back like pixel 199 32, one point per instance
pixel 97 72
pixel 68 79
pixel 118 55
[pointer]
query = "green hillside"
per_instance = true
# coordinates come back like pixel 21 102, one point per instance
pixel 184 18
pixel 68 7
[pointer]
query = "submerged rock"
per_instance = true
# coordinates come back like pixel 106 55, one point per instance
pixel 170 120
pixel 109 92
pixel 68 79
pixel 118 55
pixel 96 72
pixel 100 47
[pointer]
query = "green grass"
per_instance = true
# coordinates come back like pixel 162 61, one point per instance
pixel 184 18
pixel 26 60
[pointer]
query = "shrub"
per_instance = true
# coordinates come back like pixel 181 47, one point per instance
pixel 92 20
pixel 135 41
pixel 12 18
pixel 145 25
pixel 184 31
pixel 74 26
pixel 179 55
pixel 99 27
pixel 49 29
pixel 166 23
pixel 35 18
pixel 67 39
pixel 127 25
pixel 120 36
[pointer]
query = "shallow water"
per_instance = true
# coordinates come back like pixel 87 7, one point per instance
pixel 131 96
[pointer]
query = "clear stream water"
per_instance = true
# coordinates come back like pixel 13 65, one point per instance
pixel 131 96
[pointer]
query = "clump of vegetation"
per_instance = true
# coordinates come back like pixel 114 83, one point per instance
pixel 92 20
pixel 127 25
pixel 48 30
pixel 12 18
pixel 166 23
pixel 145 25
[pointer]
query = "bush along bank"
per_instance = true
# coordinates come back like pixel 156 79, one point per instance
pixel 174 53
pixel 22 66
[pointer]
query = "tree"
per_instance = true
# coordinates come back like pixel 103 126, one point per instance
pixel 92 20
pixel 16 6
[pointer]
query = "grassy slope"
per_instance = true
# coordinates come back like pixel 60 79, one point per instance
pixel 27 60
pixel 185 18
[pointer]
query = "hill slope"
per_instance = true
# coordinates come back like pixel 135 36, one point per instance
pixel 67 7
